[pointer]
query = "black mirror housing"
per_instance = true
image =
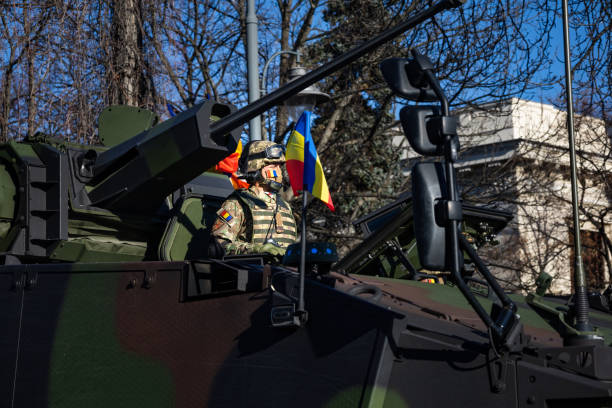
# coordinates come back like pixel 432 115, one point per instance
pixel 433 241
pixel 406 79
pixel 415 124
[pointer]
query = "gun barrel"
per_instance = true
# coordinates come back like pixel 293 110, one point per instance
pixel 139 173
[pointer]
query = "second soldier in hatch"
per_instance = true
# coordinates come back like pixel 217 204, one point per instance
pixel 257 220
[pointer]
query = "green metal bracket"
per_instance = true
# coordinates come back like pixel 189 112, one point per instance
pixel 556 316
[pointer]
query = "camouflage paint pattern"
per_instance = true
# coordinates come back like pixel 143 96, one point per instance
pixel 97 335
pixel 448 303
pixel 100 335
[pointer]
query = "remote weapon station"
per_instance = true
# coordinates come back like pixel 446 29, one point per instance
pixel 108 296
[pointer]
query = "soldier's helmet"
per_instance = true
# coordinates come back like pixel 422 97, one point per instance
pixel 260 153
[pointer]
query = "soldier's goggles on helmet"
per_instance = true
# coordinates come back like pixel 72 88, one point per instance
pixel 272 152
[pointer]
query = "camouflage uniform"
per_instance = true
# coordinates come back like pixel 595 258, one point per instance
pixel 253 219
pixel 250 218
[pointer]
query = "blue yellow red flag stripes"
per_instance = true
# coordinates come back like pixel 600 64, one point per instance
pixel 226 216
pixel 303 164
pixel 272 174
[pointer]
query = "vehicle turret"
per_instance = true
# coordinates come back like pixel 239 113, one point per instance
pixel 58 197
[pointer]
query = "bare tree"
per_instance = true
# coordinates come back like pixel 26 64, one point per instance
pixel 128 75
pixel 196 44
pixel 23 29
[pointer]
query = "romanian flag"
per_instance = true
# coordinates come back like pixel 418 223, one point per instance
pixel 303 164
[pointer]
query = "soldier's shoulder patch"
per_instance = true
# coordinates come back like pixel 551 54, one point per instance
pixel 225 215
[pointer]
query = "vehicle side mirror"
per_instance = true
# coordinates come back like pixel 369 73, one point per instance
pixel 414 121
pixel 433 241
pixel 405 78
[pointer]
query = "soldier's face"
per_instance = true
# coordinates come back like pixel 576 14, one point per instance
pixel 272 172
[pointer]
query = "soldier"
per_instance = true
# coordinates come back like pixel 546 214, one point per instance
pixel 257 220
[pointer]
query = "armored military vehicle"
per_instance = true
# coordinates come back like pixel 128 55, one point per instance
pixel 108 296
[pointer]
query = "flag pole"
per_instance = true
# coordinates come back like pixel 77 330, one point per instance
pixel 303 315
